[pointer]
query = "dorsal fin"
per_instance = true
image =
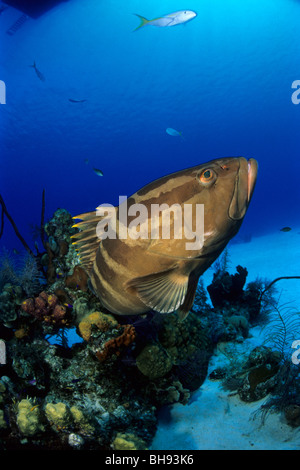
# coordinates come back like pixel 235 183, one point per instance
pixel 163 291
pixel 87 241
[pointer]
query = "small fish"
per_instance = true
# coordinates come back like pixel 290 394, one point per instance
pixel 74 381
pixel 133 276
pixel 172 19
pixel 98 172
pixel 33 408
pixel 76 101
pixel 285 229
pixel 68 305
pixel 32 382
pixel 173 132
pixel 38 73
pixel 86 161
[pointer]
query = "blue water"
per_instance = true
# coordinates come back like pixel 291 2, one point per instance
pixel 224 80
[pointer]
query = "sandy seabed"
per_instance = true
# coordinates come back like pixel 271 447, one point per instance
pixel 215 419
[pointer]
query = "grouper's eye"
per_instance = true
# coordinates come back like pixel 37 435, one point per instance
pixel 207 176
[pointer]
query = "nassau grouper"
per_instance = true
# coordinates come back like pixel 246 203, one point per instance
pixel 154 261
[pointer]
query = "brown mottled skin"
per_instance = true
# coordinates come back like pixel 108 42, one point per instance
pixel 134 276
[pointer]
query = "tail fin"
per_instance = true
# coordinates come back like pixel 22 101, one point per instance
pixel 144 21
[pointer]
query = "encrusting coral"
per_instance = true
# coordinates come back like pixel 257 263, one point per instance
pixel 46 308
pixel 101 320
pixel 105 335
pixel 153 361
pixel 3 424
pixel 58 415
pixel 126 336
pixel 78 279
pixel 128 442
pixel 29 418
pixel 81 421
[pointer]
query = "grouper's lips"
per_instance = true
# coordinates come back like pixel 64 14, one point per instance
pixel 243 189
pixel 252 175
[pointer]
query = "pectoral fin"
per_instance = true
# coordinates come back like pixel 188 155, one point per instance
pixel 164 292
pixel 186 306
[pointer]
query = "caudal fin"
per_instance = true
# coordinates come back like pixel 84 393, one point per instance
pixel 144 21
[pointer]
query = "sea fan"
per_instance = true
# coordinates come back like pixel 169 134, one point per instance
pixel 22 272
pixel 222 264
pixel 285 393
pixel 201 299
pixel 7 268
pixel 28 275
pixel 282 329
pixel 262 300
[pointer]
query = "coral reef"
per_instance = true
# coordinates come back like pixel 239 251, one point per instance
pixel 60 258
pixel 10 299
pixel 3 424
pixel 23 275
pixel 227 288
pixel 104 390
pixel 183 348
pixel 28 418
pixel 58 415
pixel 153 361
pixel 101 320
pixel 292 415
pixel 78 279
pixel 74 400
pixel 60 228
pixel 262 366
pixel 115 345
pixel 128 442
pixel 106 337
pixel 253 377
pixel 46 308
pixel 236 305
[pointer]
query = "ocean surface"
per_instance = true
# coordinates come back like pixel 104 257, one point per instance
pixel 102 96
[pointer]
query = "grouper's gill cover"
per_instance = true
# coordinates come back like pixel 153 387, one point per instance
pixel 132 276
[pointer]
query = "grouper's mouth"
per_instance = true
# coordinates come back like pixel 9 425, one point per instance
pixel 243 189
pixel 252 175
